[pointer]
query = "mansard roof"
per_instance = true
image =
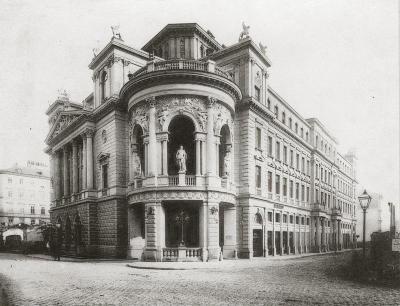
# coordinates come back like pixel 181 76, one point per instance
pixel 179 28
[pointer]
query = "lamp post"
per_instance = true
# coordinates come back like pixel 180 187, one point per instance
pixel 365 200
pixel 181 219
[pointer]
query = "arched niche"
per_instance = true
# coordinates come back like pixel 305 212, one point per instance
pixel 181 133
pixel 225 152
pixel 137 150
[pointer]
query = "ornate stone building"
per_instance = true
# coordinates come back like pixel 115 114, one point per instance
pixel 183 152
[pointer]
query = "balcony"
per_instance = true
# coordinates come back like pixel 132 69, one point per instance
pixel 319 207
pixel 208 66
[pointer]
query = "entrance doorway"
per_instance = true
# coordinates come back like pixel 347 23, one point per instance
pixel 257 243
pixel 189 212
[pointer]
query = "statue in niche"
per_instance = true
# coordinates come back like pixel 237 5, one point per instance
pixel 227 164
pixel 137 164
pixel 162 116
pixel 181 157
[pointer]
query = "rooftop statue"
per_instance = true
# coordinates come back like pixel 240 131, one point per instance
pixel 116 32
pixel 262 47
pixel 245 32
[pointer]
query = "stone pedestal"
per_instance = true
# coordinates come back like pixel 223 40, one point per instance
pixel 181 179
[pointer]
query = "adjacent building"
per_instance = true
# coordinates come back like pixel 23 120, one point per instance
pixel 24 194
pixel 184 152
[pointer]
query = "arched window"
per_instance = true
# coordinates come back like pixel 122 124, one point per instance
pixel 290 123
pixel 283 117
pixel 276 111
pixel 306 136
pixel 166 51
pixel 296 127
pixel 103 80
pixel 301 132
pixel 182 48
pixel 268 103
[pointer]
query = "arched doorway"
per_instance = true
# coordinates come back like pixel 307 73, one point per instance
pixel 225 148
pixel 137 149
pixel 181 133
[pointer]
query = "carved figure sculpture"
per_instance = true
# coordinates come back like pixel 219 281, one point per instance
pixel 181 157
pixel 262 47
pixel 162 116
pixel 138 165
pixel 227 163
pixel 245 32
pixel 115 31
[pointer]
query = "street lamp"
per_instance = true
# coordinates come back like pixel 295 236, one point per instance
pixel 181 219
pixel 365 200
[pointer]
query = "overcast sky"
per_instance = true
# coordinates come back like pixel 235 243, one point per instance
pixel 334 60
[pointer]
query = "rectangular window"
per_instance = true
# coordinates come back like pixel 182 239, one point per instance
pixel 258 176
pixel 302 220
pixel 257 93
pixel 21 181
pixel 291 158
pixel 308 221
pixel 291 189
pixel 285 154
pixel 277 184
pixel 329 201
pixel 316 195
pixel 303 165
pixel 308 194
pixel 308 167
pixel 302 192
pixel 297 162
pixel 291 219
pixel 269 178
pixel 105 176
pixel 297 191
pixel 269 146
pixel 10 180
pixel 270 216
pixel 42 211
pixel 285 218
pixel 277 217
pixel 258 138
pixel 284 186
pixel 297 219
pixel 32 210
pixel 278 150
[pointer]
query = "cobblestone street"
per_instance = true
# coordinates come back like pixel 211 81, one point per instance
pixel 31 281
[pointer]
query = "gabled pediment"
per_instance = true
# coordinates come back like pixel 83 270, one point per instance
pixel 62 121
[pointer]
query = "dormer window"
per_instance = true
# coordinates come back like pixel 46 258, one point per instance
pixel 103 80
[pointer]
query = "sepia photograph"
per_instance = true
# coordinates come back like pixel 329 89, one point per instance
pixel 200 152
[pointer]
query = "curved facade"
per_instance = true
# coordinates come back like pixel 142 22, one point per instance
pixel 186 158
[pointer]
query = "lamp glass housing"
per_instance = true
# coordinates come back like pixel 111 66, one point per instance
pixel 365 200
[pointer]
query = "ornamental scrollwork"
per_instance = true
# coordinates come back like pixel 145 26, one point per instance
pixel 222 116
pixel 139 116
pixel 192 105
pixel 64 121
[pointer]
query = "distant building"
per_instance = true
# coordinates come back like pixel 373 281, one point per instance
pixel 24 194
pixel 377 218
pixel 184 143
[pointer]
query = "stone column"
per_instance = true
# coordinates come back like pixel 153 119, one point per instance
pixel 273 233
pixel 294 235
pixel 198 156
pixel 318 242
pixel 52 177
pixel 152 149
pixel 203 230
pixel 203 157
pixel 281 240
pixel 323 235
pixel 211 173
pixel 217 144
pixel 165 156
pixel 66 176
pixel 300 249
pixel 89 156
pixel 153 251
pixel 75 173
pixel 339 235
pixel 56 176
pixel 84 161
pixel 213 231
pixel 229 232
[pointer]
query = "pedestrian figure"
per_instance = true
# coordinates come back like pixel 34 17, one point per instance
pixel 58 241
